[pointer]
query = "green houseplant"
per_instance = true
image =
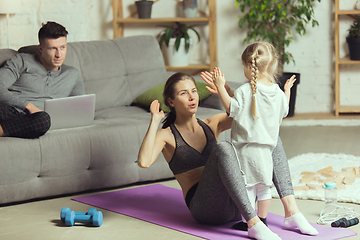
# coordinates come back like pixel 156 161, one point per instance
pixel 177 31
pixel 276 21
pixel 353 40
pixel 177 41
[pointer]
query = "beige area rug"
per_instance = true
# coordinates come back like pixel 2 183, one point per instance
pixel 313 162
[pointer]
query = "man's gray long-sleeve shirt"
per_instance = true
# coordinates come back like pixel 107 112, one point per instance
pixel 23 80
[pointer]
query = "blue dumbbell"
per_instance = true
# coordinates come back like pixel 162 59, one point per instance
pixel 66 209
pixel 96 218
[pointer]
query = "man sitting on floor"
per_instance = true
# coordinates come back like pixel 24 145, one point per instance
pixel 26 81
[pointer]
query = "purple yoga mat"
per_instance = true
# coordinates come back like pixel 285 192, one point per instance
pixel 165 206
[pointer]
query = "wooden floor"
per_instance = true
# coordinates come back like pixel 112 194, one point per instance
pixel 307 116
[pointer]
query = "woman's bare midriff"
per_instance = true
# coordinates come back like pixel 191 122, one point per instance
pixel 189 179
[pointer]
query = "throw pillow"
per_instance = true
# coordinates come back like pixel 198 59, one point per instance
pixel 155 93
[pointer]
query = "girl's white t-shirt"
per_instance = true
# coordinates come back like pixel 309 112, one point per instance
pixel 255 138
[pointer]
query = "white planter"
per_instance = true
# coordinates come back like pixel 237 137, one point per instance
pixel 177 58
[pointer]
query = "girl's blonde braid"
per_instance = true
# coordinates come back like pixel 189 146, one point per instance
pixel 253 82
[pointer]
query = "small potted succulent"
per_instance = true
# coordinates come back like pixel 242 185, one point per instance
pixel 144 8
pixel 178 41
pixel 353 40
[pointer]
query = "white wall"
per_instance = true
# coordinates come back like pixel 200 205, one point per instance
pixel 313 53
pixel 84 20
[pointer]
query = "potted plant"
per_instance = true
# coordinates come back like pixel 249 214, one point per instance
pixel 144 8
pixel 189 8
pixel 353 40
pixel 178 41
pixel 277 22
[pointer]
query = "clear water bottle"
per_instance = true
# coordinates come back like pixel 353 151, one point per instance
pixel 330 193
pixel 330 208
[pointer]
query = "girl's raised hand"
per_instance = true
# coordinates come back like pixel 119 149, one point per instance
pixel 208 78
pixel 218 78
pixel 155 110
pixel 289 83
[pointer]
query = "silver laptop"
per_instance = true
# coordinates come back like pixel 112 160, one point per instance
pixel 69 112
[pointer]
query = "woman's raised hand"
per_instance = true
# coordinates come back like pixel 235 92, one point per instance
pixel 208 78
pixel 155 110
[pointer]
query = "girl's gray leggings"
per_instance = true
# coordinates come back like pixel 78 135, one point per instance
pixel 220 196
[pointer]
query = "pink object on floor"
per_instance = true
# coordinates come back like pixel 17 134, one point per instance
pixel 165 206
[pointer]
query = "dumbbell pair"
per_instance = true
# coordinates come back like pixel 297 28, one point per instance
pixel 92 216
pixel 342 222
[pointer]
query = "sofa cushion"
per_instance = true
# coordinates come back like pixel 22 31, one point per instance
pixel 118 70
pixel 103 71
pixel 20 169
pixel 131 113
pixel 155 93
pixel 145 67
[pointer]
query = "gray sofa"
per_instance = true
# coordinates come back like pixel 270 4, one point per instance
pixel 102 155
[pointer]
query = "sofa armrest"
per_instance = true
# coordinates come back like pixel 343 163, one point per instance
pixel 6 54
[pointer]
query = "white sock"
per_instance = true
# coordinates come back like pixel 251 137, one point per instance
pixel 261 232
pixel 298 220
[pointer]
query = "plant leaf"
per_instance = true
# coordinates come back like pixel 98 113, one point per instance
pixel 187 42
pixel 196 32
pixel 167 35
pixel 177 42
pixel 162 38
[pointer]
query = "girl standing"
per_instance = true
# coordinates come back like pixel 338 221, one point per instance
pixel 257 109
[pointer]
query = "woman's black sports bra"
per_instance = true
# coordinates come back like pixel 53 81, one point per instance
pixel 185 157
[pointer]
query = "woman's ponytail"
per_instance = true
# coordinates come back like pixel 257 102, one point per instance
pixel 169 119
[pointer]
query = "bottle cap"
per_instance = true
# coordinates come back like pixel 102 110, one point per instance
pixel 330 185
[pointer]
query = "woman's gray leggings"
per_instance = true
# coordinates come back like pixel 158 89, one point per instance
pixel 221 195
